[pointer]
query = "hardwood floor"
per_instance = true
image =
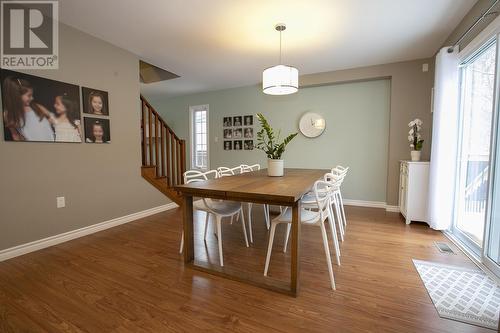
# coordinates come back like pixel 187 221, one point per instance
pixel 132 279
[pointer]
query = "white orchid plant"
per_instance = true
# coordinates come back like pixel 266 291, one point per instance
pixel 414 136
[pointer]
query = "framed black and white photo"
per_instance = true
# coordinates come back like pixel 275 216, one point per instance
pixel 237 121
pixel 97 130
pixel 248 132
pixel 95 102
pixel 39 110
pixel 238 145
pixel 238 133
pixel 248 145
pixel 228 145
pixel 227 121
pixel 228 133
pixel 248 120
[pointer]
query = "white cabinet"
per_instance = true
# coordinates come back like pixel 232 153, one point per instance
pixel 413 190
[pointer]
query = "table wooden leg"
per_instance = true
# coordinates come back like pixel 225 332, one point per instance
pixel 294 285
pixel 187 209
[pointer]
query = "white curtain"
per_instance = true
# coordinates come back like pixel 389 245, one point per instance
pixel 444 140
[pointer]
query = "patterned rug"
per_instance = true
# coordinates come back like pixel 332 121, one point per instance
pixel 462 294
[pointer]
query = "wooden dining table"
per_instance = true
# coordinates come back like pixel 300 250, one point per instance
pixel 255 187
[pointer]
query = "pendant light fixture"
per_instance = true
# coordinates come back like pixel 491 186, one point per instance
pixel 280 79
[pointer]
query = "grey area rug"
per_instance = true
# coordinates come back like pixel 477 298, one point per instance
pixel 461 294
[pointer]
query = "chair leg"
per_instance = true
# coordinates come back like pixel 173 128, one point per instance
pixel 270 247
pixel 266 216
pixel 207 218
pixel 219 238
pixel 340 224
pixel 331 221
pixel 287 235
pixel 341 202
pixel 182 242
pixel 249 207
pixel 327 253
pixel 243 225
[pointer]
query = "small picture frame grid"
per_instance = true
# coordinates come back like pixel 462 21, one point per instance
pixel 238 132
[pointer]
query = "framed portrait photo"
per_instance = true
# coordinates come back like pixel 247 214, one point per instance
pixel 238 133
pixel 248 133
pixel 36 109
pixel 228 145
pixel 237 121
pixel 228 133
pixel 248 120
pixel 227 121
pixel 95 102
pixel 248 145
pixel 97 130
pixel 238 145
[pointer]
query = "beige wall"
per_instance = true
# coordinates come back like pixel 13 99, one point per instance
pixel 356 134
pixel 410 98
pixel 100 182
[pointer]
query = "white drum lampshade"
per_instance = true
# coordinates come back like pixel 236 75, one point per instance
pixel 280 80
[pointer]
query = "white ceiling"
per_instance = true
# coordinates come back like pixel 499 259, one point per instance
pixel 216 44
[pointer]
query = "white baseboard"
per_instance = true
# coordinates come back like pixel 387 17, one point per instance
pixel 372 204
pixel 393 209
pixel 64 237
pixel 362 203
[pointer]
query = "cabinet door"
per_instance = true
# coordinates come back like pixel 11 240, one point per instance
pixel 403 188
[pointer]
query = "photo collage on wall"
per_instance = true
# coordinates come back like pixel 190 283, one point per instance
pixel 238 132
pixel 36 109
pixel 95 103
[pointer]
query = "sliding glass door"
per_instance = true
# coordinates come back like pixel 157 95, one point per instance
pixel 477 98
pixel 491 252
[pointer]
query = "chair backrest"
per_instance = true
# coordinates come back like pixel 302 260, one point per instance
pixel 341 172
pixel 333 180
pixel 322 192
pixel 225 171
pixel 192 176
pixel 249 168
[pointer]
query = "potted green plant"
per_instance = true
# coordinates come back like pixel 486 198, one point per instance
pixel 272 146
pixel 415 139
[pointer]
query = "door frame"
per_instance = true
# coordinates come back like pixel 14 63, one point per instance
pixel 494 168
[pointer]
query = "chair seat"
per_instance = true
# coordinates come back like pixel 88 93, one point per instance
pixel 306 216
pixel 221 207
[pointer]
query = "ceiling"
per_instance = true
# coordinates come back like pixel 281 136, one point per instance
pixel 217 44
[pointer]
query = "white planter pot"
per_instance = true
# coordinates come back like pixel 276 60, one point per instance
pixel 415 155
pixel 275 168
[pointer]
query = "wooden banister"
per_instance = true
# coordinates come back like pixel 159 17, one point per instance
pixel 162 150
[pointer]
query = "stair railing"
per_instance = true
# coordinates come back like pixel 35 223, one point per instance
pixel 161 147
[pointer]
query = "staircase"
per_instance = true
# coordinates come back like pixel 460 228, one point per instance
pixel 163 153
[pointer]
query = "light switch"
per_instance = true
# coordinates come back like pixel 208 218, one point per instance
pixel 61 202
pixel 425 67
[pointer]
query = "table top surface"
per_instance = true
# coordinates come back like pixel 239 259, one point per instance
pixel 257 186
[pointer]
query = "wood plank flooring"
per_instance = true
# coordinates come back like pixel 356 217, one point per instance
pixel 132 279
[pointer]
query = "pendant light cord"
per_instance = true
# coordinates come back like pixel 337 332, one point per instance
pixel 280 48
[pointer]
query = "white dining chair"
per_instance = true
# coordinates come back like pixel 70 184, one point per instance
pixel 245 169
pixel 308 217
pixel 308 202
pixel 225 171
pixel 217 208
pixel 341 172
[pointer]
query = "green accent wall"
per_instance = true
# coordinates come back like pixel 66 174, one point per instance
pixel 357 129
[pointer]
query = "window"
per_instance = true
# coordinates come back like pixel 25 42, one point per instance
pixel 198 119
pixel 477 92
